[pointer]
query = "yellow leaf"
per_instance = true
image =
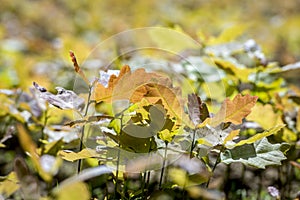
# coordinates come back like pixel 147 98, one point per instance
pixel 234 111
pixel 73 156
pixel 29 146
pixel 264 115
pixel 75 191
pixel 238 72
pixel 261 135
pixel 289 136
pixel 166 135
pixel 231 135
pixel 206 122
pixel 9 185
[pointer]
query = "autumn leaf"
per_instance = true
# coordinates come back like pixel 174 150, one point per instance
pixel 170 98
pixel 234 111
pixel 104 92
pixel 138 85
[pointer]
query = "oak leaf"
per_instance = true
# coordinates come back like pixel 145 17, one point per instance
pixel 234 111
pixel 104 92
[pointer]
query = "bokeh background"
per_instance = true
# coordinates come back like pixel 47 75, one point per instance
pixel 36 36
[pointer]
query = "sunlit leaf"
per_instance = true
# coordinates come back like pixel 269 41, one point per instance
pixel 269 119
pixel 139 85
pixel 73 156
pixel 103 91
pixel 64 99
pixel 259 136
pixel 259 154
pixel 234 111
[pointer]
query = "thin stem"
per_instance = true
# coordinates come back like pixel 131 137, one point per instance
pixel 215 165
pixel 193 145
pixel 163 166
pixel 118 160
pixel 83 127
pixel 43 130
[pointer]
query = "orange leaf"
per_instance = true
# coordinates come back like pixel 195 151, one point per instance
pixel 138 85
pixel 234 111
pixel 102 93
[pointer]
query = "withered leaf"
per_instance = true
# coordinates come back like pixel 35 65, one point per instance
pixel 64 99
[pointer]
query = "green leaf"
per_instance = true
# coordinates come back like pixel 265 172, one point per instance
pixel 259 136
pixel 259 154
